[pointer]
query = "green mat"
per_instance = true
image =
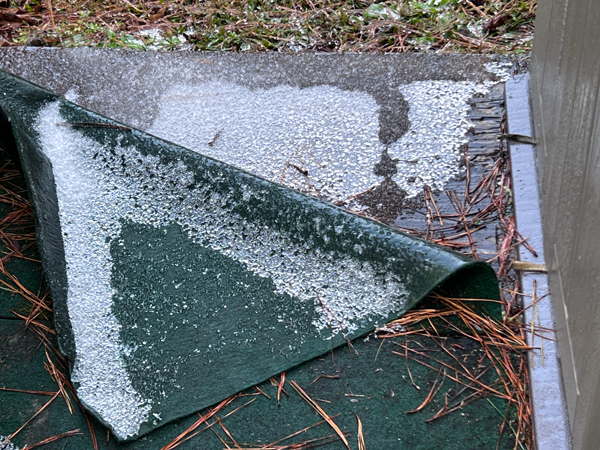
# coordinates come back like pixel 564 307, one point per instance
pixel 178 280
pixel 375 385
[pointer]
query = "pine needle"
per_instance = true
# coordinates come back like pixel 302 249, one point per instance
pixel 320 410
pixel 361 438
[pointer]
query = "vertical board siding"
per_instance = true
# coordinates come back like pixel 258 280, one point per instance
pixel 565 72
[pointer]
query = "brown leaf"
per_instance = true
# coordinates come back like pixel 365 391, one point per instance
pixel 13 25
pixel 8 16
pixel 35 41
pixel 5 43
pixel 159 14
pixel 29 19
pixel 496 21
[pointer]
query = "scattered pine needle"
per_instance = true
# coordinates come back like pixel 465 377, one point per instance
pixel 33 417
pixel 227 432
pixel 280 388
pixel 224 417
pixel 320 410
pixel 432 393
pixel 53 438
pixel 335 377
pixel 498 341
pixel 261 392
pixel 303 430
pixel 312 443
pixel 27 392
pixel 361 438
pixel 179 439
pixel 54 374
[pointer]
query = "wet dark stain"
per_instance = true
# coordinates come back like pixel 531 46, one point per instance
pixel 387 167
pixel 17 345
pixel 393 117
pixel 386 201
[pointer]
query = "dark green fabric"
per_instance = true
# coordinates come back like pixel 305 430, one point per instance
pixel 378 379
pixel 137 269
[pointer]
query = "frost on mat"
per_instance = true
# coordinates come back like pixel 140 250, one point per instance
pixel 321 140
pixel 99 187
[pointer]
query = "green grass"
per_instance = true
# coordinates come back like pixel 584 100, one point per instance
pixel 275 25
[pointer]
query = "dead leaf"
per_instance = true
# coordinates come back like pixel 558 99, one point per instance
pixel 8 16
pixel 496 21
pixel 159 14
pixel 29 19
pixel 14 25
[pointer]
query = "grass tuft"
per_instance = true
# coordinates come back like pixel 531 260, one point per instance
pixel 487 26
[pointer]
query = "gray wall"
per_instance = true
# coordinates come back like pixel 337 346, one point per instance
pixel 565 80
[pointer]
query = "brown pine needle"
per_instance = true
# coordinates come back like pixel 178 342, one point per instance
pixel 27 392
pixel 224 417
pixel 412 381
pixel 261 392
pixel 20 290
pixel 497 340
pixel 432 393
pixel 227 433
pixel 53 438
pixel 320 410
pixel 280 388
pixel 219 437
pixel 33 417
pixel 361 438
pixel 179 439
pixel 335 377
pixel 85 414
pixel 275 383
pixel 465 401
pixel 300 445
pixel 58 378
pixel 272 444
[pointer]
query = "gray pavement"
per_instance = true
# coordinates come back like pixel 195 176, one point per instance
pixel 318 123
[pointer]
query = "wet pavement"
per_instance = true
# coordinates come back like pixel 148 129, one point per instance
pixel 318 123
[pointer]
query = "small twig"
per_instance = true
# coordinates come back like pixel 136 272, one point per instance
pixel 93 125
pixel 51 13
pixel 324 376
pixel 213 140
